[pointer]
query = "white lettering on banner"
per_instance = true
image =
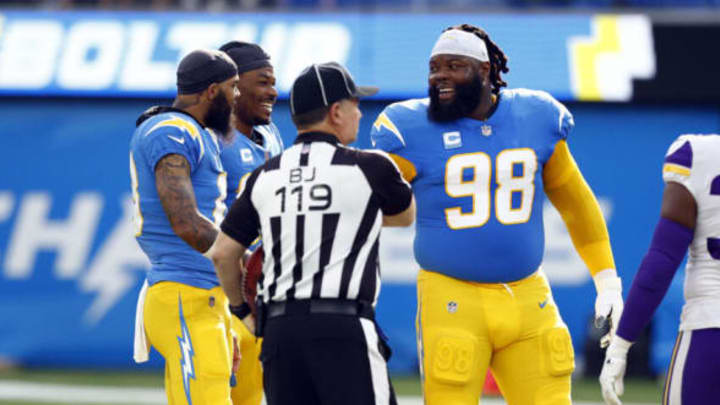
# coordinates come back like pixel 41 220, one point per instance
pixel 273 42
pixel 77 71
pixel 561 263
pixel 110 272
pixel 140 72
pixel 186 37
pixel 244 32
pixel 28 53
pixel 71 238
pixel 7 202
pixel 336 42
pixel 132 56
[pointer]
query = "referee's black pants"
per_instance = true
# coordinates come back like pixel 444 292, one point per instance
pixel 325 359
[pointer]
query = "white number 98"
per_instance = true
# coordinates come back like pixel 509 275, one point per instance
pixel 478 187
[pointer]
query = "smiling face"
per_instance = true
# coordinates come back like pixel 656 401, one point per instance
pixel 258 96
pixel 455 85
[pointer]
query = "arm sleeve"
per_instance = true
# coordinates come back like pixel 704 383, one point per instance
pixel 242 222
pixel 570 194
pixel 667 250
pixel 168 140
pixel 393 192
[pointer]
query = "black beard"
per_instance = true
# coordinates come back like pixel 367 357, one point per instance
pixel 218 115
pixel 242 115
pixel 467 98
pixel 260 121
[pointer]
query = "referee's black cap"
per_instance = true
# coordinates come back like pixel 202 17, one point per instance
pixel 201 68
pixel 320 85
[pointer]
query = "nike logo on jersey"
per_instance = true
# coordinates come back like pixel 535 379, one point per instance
pixel 542 304
pixel 178 140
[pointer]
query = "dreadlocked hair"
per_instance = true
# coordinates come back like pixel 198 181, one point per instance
pixel 498 60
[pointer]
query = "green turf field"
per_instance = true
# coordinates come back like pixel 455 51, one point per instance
pixel 636 391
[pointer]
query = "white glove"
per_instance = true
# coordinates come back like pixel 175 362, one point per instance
pixel 613 370
pixel 609 302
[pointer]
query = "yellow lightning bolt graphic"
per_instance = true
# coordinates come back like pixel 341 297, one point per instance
pixel 179 123
pixel 383 121
pixel 182 124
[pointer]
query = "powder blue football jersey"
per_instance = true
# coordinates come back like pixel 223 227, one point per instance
pixel 158 136
pixel 241 156
pixel 479 187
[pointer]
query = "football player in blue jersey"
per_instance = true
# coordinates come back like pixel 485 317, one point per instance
pixel 253 140
pixel 178 188
pixel 481 160
pixel 254 137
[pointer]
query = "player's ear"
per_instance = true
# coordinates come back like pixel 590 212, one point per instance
pixel 212 91
pixel 335 113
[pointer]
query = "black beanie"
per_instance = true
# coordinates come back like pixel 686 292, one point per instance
pixel 246 56
pixel 201 68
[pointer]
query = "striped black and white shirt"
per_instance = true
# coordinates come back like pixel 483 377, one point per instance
pixel 318 207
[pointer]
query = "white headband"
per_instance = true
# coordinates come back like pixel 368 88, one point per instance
pixel 458 42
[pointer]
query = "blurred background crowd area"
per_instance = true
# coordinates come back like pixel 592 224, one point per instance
pixel 225 5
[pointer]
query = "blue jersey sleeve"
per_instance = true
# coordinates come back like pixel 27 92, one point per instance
pixel 168 137
pixel 566 122
pixel 385 134
pixel 561 122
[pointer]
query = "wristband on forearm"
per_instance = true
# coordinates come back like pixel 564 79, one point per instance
pixel 241 311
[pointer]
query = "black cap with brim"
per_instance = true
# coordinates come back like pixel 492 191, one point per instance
pixel 201 68
pixel 320 85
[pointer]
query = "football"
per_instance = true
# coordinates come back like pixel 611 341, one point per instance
pixel 251 275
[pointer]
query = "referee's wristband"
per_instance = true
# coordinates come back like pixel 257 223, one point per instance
pixel 241 311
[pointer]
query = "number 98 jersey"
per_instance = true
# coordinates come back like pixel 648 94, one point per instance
pixel 478 184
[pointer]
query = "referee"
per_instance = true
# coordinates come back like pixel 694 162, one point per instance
pixel 319 208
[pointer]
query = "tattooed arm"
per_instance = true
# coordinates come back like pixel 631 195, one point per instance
pixel 172 179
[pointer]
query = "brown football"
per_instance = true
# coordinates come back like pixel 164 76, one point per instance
pixel 253 270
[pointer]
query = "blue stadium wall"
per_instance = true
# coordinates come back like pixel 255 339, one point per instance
pixel 71 270
pixel 72 84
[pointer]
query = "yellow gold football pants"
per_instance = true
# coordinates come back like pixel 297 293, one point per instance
pixel 514 328
pixel 190 327
pixel 249 388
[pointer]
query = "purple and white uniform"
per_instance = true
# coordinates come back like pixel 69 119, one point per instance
pixel 694 374
pixel 694 162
